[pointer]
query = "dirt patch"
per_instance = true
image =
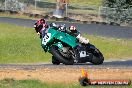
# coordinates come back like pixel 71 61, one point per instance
pixel 64 75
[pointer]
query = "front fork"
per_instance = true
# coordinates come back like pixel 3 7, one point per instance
pixel 82 53
pixel 78 54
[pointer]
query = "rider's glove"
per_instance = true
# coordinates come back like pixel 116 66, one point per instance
pixel 82 39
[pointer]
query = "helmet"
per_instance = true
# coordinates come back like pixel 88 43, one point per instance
pixel 39 25
pixel 72 28
pixel 39 22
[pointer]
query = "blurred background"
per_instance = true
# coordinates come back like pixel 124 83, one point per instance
pixel 108 11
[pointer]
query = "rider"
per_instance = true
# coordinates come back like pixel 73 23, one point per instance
pixel 73 31
pixel 40 26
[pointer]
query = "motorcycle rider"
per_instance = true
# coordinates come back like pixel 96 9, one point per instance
pixel 73 31
pixel 40 27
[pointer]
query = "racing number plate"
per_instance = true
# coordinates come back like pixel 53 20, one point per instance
pixel 46 38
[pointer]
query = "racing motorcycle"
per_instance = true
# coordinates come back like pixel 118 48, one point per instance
pixel 66 49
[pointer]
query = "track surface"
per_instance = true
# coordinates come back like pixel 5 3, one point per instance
pixel 106 65
pixel 101 30
pixel 92 29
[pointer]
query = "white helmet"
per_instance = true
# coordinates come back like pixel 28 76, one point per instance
pixel 72 28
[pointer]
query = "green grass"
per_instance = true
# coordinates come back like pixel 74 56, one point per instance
pixel 22 45
pixel 112 48
pixel 6 14
pixel 11 83
pixel 82 2
pixel 83 11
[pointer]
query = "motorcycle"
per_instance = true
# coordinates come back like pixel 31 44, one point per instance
pixel 66 49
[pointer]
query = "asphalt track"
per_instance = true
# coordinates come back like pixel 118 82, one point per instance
pixel 106 65
pixel 92 29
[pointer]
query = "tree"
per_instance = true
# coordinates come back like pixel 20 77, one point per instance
pixel 118 10
pixel 118 3
pixel 2 1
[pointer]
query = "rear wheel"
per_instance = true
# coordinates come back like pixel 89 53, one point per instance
pixel 56 53
pixel 55 61
pixel 97 57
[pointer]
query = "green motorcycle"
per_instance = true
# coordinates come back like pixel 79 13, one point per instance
pixel 66 49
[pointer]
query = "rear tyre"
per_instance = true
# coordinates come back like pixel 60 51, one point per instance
pixel 55 61
pixel 97 57
pixel 56 53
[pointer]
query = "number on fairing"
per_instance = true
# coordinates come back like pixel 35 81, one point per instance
pixel 46 38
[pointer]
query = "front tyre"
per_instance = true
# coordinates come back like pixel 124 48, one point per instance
pixel 97 57
pixel 56 53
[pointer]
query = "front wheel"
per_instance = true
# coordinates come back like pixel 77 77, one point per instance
pixel 97 57
pixel 56 53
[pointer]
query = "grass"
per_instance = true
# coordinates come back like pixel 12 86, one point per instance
pixel 22 45
pixel 11 83
pixel 6 14
pixel 112 48
pixel 82 2
pixel 86 12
